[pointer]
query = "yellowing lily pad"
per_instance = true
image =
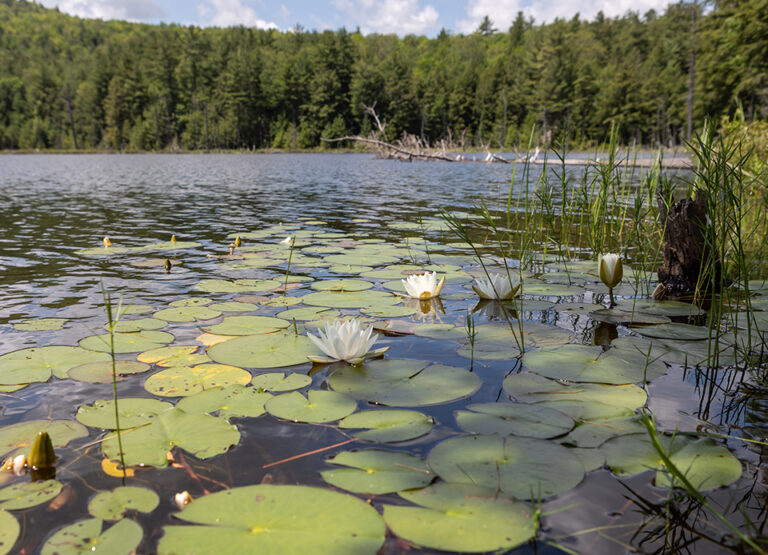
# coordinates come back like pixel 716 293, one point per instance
pixel 28 494
pixel 278 381
pixel 174 355
pixel 461 517
pixel 186 380
pixel 275 519
pixel 127 342
pixel 264 351
pixel 247 325
pixel 320 406
pixel 230 401
pixel 403 382
pixel 388 426
pixel 86 536
pixel 377 472
pixel 112 505
pixel 37 363
pixel 202 435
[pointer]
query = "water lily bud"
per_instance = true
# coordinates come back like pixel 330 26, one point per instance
pixel 610 268
pixel 182 499
pixel 41 454
pixel 106 242
pixel 238 242
pixel 173 239
pixel 286 241
pixel 168 266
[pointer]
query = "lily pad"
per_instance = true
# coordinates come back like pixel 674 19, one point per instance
pixel 396 311
pixel 202 435
pixel 461 517
pixel 136 309
pixel 174 355
pixel 352 299
pixel 133 411
pixel 676 331
pixel 307 313
pixel 388 426
pixel 264 351
pixel 376 472
pixel 16 439
pixel 278 381
pixel 275 519
pixel 518 419
pixel 86 536
pixel 28 494
pixel 191 302
pixel 232 400
pixel 280 301
pixel 187 313
pixel 186 380
pixel 233 306
pixel 533 388
pixel 626 318
pixel 342 285
pixel 127 342
pixel 237 286
pixel 247 325
pixel 704 463
pixel 101 372
pixel 662 308
pixel 594 432
pixel 540 288
pixel 126 326
pixel 40 324
pixel 405 383
pixel 112 505
pixel 583 363
pixel 37 363
pixel 519 467
pixel 320 406
pixel 9 531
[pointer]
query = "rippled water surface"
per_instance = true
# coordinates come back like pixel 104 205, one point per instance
pixel 53 206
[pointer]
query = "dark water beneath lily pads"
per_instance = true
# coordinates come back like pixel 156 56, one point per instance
pixel 350 209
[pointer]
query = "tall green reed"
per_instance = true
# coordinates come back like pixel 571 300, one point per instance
pixel 113 318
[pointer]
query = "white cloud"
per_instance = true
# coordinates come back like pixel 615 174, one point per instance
pixel 503 12
pixel 227 13
pixel 402 17
pixel 131 10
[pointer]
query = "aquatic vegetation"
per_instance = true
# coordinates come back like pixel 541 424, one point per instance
pixel 423 286
pixel 495 287
pixel 611 271
pixel 345 340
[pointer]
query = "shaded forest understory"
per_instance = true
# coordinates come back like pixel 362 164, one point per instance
pixel 70 83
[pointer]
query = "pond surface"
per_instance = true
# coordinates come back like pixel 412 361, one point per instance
pixel 345 212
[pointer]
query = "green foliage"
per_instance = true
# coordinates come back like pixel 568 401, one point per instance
pixel 70 83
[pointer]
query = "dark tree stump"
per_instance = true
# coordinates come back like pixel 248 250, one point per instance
pixel 685 247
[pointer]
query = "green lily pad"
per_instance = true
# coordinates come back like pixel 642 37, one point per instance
pixel 188 380
pixel 128 342
pixel 187 313
pixel 350 269
pixel 86 536
pixel 170 245
pixel 281 301
pixel 16 439
pixel 264 351
pixel 583 363
pixel 576 308
pixel 9 531
pixel 388 426
pixel 592 459
pixel 101 251
pixel 237 286
pixel 40 324
pixel 133 411
pixel 518 419
pixel 519 467
pixel 342 285
pixel 247 325
pixel 533 388
pixel 275 519
pixel 101 372
pixel 232 400
pixel 234 306
pixel 127 326
pixel 537 287
pixel 627 318
pixel 461 517
pixel 136 309
pixel 202 435
pixel 112 505
pixel 174 355
pixel 278 381
pixel 307 313
pixel 28 494
pixel 661 308
pixel 37 363
pixel 704 463
pixel 361 257
pixel 320 406
pixel 377 472
pixel 596 431
pixel 352 299
pixel 405 383
pixel 677 332
pixel 396 311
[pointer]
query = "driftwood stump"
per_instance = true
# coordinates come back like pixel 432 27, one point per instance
pixel 685 248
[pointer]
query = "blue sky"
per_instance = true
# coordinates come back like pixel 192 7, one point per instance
pixel 371 16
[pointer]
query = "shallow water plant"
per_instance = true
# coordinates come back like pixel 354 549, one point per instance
pixel 345 340
pixel 423 286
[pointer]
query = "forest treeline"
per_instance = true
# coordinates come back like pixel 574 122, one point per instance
pixel 71 83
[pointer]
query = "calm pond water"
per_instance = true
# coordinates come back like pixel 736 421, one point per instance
pixel 56 205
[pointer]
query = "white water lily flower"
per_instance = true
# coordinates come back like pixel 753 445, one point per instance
pixel 610 268
pixel 423 286
pixel 495 287
pixel 182 499
pixel 345 340
pixel 106 242
pixel 286 241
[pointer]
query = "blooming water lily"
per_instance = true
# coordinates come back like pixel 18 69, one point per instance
pixel 611 271
pixel 346 341
pixel 423 286
pixel 182 499
pixel 495 287
pixel 106 242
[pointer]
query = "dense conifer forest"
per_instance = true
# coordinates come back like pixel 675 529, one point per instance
pixel 71 83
